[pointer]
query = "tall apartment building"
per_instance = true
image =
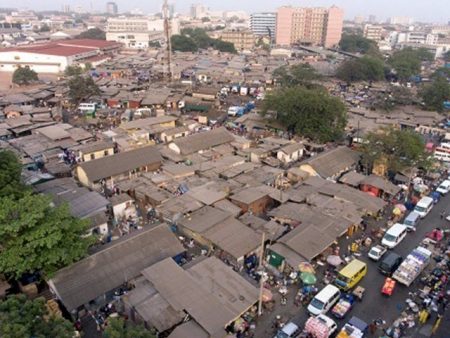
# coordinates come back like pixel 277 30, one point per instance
pixel 198 11
pixel 263 24
pixel 137 32
pixel 111 8
pixel 401 20
pixel 311 26
pixel 241 39
pixel 373 32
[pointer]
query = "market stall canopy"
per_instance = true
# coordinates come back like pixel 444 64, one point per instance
pixel 308 278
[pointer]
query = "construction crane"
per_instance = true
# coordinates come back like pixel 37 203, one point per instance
pixel 168 42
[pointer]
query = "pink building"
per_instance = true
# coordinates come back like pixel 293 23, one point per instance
pixel 310 26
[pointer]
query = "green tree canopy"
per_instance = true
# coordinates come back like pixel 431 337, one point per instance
pixel 36 236
pixel 361 69
pixel 183 43
pixel 434 94
pixel 10 175
pixel 353 43
pixel 24 76
pixel 407 62
pixel 441 72
pixel 312 113
pixel 447 56
pixel 73 70
pixel 44 28
pixel 394 97
pixel 399 149
pixel 81 88
pixel 192 39
pixel 301 74
pixel 93 33
pixel 21 317
pixel 118 328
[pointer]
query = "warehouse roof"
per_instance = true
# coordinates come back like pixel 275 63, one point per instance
pixel 120 163
pixel 194 143
pixel 103 271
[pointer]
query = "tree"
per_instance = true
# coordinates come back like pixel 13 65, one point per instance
pixel 353 43
pixel 301 74
pixel 93 33
pixel 81 88
pixel 24 76
pixel 434 94
pixel 44 28
pixel 399 149
pixel 394 97
pixel 447 56
pixel 192 39
pixel 312 113
pixel 183 43
pixel 10 171
pixel 206 19
pixel 73 70
pixel 22 317
pixel 36 236
pixel 406 62
pixel 118 328
pixel 361 69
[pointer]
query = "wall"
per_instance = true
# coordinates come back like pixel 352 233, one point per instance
pixel 334 26
pixel 123 210
pixel 284 26
pixel 97 154
pixel 40 63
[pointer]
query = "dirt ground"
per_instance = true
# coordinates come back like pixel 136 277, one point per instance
pixel 6 82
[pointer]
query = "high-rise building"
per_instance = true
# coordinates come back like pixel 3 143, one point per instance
pixel 198 11
pixel 111 8
pixel 373 32
pixel 263 24
pixel 401 20
pixel 66 8
pixel 372 19
pixel 311 26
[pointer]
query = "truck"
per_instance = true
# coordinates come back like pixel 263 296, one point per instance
pixel 236 111
pixel 320 327
pixel 412 266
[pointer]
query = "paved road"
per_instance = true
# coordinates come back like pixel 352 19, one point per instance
pixel 374 305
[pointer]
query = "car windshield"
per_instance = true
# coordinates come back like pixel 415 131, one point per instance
pixel 389 238
pixel 375 252
pixel 420 209
pixel 282 334
pixel 408 222
pixel 317 304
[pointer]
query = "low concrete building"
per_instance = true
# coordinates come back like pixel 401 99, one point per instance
pixel 93 151
pixel 290 153
pixel 112 168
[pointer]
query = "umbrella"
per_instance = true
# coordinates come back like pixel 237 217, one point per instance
pixel 397 212
pixel 401 207
pixel 308 278
pixel 334 260
pixel 306 267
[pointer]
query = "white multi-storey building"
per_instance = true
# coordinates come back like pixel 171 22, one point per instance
pixel 137 32
pixel 263 24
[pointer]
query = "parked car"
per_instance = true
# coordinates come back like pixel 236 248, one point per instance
pixel 376 252
pixel 444 187
pixel 290 330
pixel 390 263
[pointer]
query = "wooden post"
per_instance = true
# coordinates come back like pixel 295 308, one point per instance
pixel 261 280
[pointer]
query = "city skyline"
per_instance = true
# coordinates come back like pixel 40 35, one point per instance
pixel 435 11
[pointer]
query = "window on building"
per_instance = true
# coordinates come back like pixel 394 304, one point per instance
pixel 92 156
pixel 106 153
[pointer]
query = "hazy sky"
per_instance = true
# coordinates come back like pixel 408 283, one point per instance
pixel 424 10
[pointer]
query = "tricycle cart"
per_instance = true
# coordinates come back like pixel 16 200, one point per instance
pixel 343 306
pixel 358 292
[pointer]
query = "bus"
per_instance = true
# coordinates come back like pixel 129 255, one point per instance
pixel 442 153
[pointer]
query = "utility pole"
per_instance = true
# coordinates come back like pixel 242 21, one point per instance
pixel 168 42
pixel 261 279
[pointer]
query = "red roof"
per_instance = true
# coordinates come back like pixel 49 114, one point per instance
pixel 64 48
pixel 89 43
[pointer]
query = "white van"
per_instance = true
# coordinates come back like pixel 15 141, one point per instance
pixel 424 206
pixel 87 107
pixel 394 235
pixel 324 300
pixel 290 330
pixel 444 187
